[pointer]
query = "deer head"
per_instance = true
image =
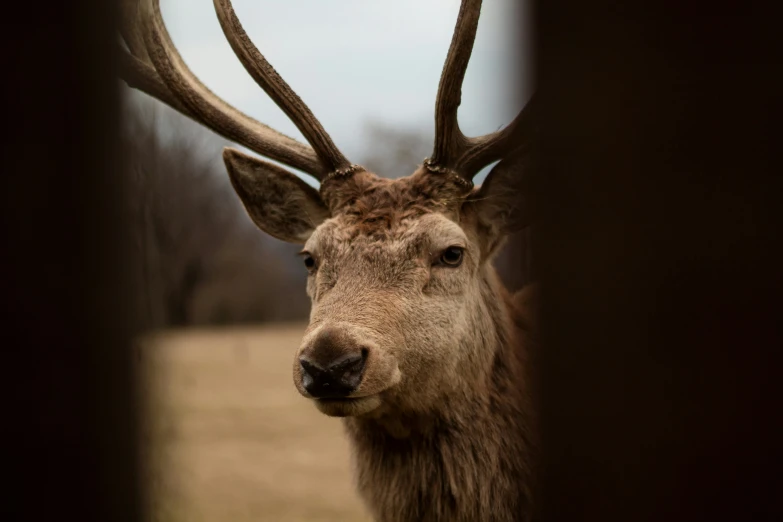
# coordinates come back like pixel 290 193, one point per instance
pixel 399 271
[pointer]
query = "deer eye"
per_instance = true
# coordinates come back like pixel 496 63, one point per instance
pixel 309 261
pixel 452 256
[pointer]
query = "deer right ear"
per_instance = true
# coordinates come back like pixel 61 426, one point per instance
pixel 278 202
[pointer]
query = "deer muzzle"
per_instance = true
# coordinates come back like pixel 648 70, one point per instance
pixel 344 370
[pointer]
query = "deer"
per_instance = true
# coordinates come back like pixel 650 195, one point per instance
pixel 412 340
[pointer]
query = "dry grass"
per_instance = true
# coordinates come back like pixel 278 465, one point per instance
pixel 227 438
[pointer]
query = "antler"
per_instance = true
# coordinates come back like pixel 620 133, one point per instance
pixel 453 150
pixel 153 65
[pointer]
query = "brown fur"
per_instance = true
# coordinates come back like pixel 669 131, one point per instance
pixel 452 439
pixel 441 424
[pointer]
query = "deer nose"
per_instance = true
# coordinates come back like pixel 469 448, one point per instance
pixel 338 378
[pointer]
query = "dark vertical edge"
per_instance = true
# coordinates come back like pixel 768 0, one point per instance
pixel 68 380
pixel 658 248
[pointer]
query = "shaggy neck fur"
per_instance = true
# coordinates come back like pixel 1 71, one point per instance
pixel 469 459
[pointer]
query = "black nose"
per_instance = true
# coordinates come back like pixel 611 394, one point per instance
pixel 338 379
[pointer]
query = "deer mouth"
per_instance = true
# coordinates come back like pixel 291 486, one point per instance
pixel 347 406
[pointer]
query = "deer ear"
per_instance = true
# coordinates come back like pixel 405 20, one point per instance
pixel 278 202
pixel 503 203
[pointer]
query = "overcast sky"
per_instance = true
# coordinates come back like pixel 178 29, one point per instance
pixel 356 61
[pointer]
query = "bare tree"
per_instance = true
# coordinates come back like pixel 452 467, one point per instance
pixel 202 261
pixel 173 194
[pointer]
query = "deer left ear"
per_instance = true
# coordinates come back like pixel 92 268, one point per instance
pixel 278 202
pixel 502 204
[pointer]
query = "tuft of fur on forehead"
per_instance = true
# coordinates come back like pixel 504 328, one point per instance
pixel 378 206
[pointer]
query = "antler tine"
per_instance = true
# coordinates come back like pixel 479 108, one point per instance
pixel 453 151
pixel 142 76
pixel 185 92
pixel 483 150
pixel 130 31
pixel 449 140
pixel 276 87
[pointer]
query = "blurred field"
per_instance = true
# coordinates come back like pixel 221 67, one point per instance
pixel 227 437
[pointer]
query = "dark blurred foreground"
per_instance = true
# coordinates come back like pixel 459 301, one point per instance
pixel 660 258
pixel 658 251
